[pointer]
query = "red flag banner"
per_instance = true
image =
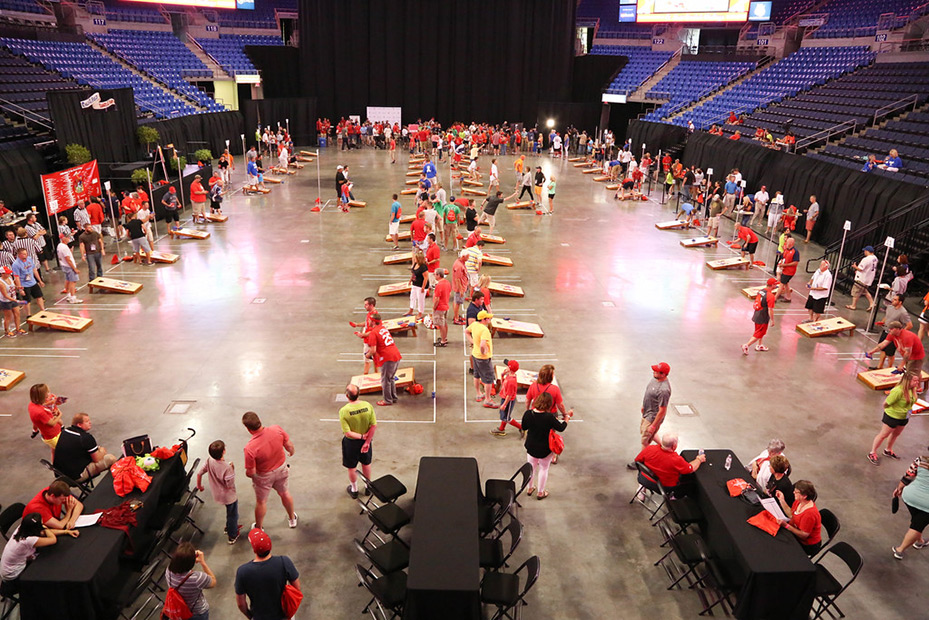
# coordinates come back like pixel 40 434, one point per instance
pixel 63 189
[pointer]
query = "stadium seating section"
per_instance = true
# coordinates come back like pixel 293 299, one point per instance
pixel 690 81
pixel 22 6
pixel 859 18
pixel 25 85
pixel 229 50
pixel 643 63
pixel 134 13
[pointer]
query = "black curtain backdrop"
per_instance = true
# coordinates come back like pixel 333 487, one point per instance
pixel 583 116
pixel 593 73
pixel 300 110
pixel 655 136
pixel 843 193
pixel 213 129
pixel 486 60
pixel 20 187
pixel 109 133
pixel 279 66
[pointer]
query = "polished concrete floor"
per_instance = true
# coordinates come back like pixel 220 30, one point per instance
pixel 256 318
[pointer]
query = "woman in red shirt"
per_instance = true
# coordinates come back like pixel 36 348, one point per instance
pixel 45 415
pixel 544 385
pixel 805 522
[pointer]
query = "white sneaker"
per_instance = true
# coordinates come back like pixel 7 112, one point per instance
pixel 75 300
pixel 292 523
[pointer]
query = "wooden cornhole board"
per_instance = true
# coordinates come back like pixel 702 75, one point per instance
pixel 217 217
pixel 114 286
pixel 884 379
pixel 611 186
pixel 164 257
pixel 525 204
pixel 472 183
pixel 413 182
pixel 277 170
pixel 602 178
pixel 413 174
pixel 401 324
pixel 921 407
pixel 696 242
pixel 493 259
pixel 190 233
pixel 305 158
pixel 752 291
pixel 524 378
pixel 492 238
pixel 583 164
pixel 308 153
pixel 505 289
pixel 402 236
pixel 255 190
pixel 397 288
pixel 826 327
pixel 54 320
pixel 407 192
pixel 406 219
pixel 670 225
pixel 473 192
pixel 590 170
pixel 575 159
pixel 9 378
pixel 357 203
pixel 419 162
pixel 371 384
pixel 296 165
pixel 403 257
pixel 518 328
pixel 272 180
pixel 728 263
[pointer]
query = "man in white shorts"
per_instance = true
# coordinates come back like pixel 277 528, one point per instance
pixel 393 225
pixel 266 464
pixel 474 257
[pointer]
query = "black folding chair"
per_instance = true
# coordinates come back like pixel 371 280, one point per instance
pixel 388 592
pixel 502 589
pixel 83 488
pixel 129 587
pixel 9 600
pixel 387 489
pixel 715 581
pixel 690 549
pixel 493 554
pixel 645 495
pixel 495 489
pixel 684 512
pixel 9 517
pixel 490 514
pixel 388 519
pixel 831 524
pixel 388 558
pixel 828 588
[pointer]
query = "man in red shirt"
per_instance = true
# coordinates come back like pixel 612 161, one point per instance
pixel 418 229
pixel 143 195
pixel 266 464
pixel 369 306
pixel 95 212
pixel 460 284
pixel 474 237
pixel 788 267
pixel 763 318
pixel 198 200
pixel 443 289
pixel 393 149
pixel 666 464
pixel 433 256
pixel 59 509
pixel 383 350
pixel 748 243
pixel 908 345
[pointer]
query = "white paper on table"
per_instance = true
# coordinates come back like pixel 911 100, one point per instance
pixel 771 505
pixel 87 520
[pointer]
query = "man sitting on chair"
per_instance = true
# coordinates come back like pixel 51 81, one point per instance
pixel 59 509
pixel 78 456
pixel 666 463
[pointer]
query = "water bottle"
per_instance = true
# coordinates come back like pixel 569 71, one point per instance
pixel 728 462
pixel 700 452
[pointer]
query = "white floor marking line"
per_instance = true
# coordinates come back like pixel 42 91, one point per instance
pixel 5 354
pixel 382 421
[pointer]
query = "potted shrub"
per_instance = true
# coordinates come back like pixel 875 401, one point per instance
pixel 147 136
pixel 204 156
pixel 174 162
pixel 77 154
pixel 139 176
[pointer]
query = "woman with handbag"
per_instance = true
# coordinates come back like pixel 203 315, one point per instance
pixel 544 383
pixel 540 424
pixel 188 584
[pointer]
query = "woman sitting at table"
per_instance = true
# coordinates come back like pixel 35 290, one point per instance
pixel 537 423
pixel 805 522
pixel 21 548
pixel 779 480
pixel 190 584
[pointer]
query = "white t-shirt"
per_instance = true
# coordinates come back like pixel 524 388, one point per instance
pixel 16 554
pixel 868 267
pixel 764 471
pixel 65 256
pixel 429 215
pixel 821 279
pixel 557 142
pixel 761 197
pixel 494 173
pixel 738 177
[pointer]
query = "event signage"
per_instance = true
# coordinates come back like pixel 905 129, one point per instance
pixel 94 102
pixel 64 188
pixel 762 42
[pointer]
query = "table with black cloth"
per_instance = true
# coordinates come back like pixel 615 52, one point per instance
pixel 445 575
pixel 67 581
pixel 773 576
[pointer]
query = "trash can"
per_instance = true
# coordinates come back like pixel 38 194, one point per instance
pixel 322 141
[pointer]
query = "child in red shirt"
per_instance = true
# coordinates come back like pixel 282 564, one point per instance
pixel 508 394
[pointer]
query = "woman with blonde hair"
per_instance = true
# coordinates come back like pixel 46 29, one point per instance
pixel 897 408
pixel 417 283
pixel 483 284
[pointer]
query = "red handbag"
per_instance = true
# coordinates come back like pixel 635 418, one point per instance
pixel 555 442
pixel 291 597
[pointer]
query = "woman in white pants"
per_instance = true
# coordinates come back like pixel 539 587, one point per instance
pixel 417 283
pixel 538 423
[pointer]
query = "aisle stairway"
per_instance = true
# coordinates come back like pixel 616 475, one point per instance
pixel 639 94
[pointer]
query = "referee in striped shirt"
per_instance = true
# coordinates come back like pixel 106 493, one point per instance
pixel 13 243
pixel 37 232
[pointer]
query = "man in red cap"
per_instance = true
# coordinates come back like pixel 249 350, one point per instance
pixel 260 583
pixel 508 387
pixel 763 317
pixel 170 203
pixel 654 404
pixel 198 197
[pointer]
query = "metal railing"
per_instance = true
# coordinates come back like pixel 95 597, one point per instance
pixel 825 135
pixel 28 116
pixel 890 108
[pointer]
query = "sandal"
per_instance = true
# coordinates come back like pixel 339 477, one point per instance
pixel 542 495
pixel 22 332
pixel 530 490
pixel 383 403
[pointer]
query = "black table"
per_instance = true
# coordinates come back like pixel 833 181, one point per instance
pixel 68 580
pixel 773 575
pixel 445 575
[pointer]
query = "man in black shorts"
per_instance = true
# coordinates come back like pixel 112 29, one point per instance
pixel 358 425
pixel 171 204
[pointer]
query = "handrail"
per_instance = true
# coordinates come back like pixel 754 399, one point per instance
pixel 28 116
pixel 825 134
pixel 890 108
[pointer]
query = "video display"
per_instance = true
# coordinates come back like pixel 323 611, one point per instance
pixel 692 11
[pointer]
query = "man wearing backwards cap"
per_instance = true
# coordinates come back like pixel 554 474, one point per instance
pixel 260 583
pixel 762 318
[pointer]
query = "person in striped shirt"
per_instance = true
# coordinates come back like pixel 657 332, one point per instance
pixel 37 232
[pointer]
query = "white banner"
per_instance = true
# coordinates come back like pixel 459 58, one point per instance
pixel 390 115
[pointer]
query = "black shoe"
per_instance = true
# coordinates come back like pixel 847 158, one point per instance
pixel 367 490
pixel 631 466
pixel 352 494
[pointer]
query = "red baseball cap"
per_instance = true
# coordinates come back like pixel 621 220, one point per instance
pixel 771 281
pixel 172 190
pixel 513 365
pixel 261 542
pixel 662 367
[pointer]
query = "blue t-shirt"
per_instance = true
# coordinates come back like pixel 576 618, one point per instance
pixel 893 162
pixel 429 170
pixel 687 208
pixel 251 168
pixel 395 212
pixel 25 270
pixel 472 311
pixel 426 184
pixel 732 187
pixel 263 584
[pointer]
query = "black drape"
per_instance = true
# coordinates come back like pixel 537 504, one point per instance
pixel 20 187
pixel 300 110
pixel 843 193
pixel 279 66
pixel 108 133
pixel 488 60
pixel 213 129
pixel 655 136
pixel 583 116
pixel 593 74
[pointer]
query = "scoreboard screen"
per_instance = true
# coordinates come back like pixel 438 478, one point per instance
pixel 651 11
pixel 207 4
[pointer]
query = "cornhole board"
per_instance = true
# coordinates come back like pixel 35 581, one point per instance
pixel 575 159
pixel 826 327
pixel 189 233
pixel 308 153
pixel 728 263
pixel 583 164
pixel 591 170
pixel 472 183
pixel 305 158
pixel 396 259
pixel 164 257
pixel 611 186
pixel 413 174
pixel 752 291
pixel 371 384
pixel 406 219
pixel 493 259
pixel 413 182
pixel 506 289
pixel 524 378
pixel 217 217
pixel 402 236
pixel 277 170
pixel 397 288
pixel 272 180
pixel 473 192
pixel 407 192
pixel 255 190
pixel 492 238
pixel 54 320
pixel 670 225
pixel 518 328
pixel 921 407
pixel 884 379
pixel 525 204
pixel 357 203
pixel 401 324
pixel 114 286
pixel 696 242
pixel 602 178
pixel 296 165
pixel 9 378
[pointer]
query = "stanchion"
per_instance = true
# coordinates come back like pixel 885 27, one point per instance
pixel 888 245
pixel 152 215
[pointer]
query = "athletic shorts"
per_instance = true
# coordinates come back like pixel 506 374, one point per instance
pixel 440 318
pixel 275 479
pixel 785 279
pixel 507 412
pixel 923 318
pixel 483 370
pixel 760 330
pixel 393 228
pixel 551 196
pixel 33 292
pixel 141 244
pixel 352 454
pixel 172 216
pixel 8 305
pixel 818 306
pixel 919 519
pixel 70 274
pixel 894 422
pixel 750 248
pixel 628 184
pixel 53 442
pixel 459 298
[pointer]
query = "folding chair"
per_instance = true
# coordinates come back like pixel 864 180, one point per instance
pixel 83 489
pixel 690 549
pixel 388 558
pixel 388 519
pixel 502 589
pixel 8 518
pixel 831 524
pixel 495 489
pixel 493 555
pixel 490 514
pixel 828 588
pixel 645 495
pixel 387 489
pixel 388 593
